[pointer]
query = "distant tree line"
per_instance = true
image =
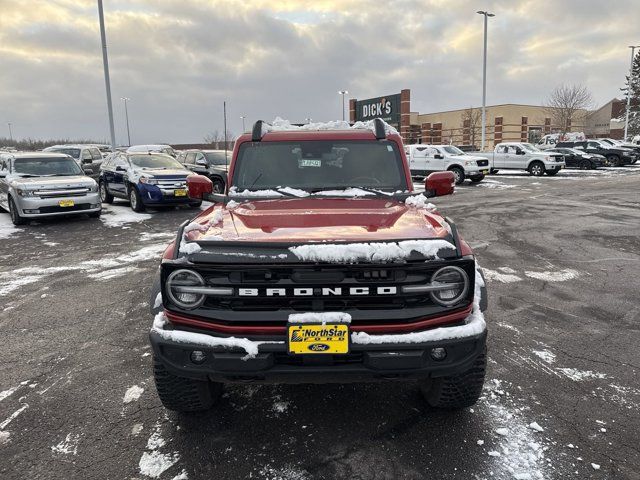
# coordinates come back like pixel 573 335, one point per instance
pixel 33 144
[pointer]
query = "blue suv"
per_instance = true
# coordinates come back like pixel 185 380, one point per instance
pixel 145 179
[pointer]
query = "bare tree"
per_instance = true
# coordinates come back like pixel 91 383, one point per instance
pixel 217 139
pixel 471 120
pixel 564 102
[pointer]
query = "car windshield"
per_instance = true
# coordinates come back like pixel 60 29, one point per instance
pixel 530 147
pixel 319 165
pixel 217 158
pixel 453 150
pixel 155 161
pixel 42 166
pixel 74 152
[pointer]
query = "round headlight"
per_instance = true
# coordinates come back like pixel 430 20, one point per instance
pixel 182 288
pixel 455 285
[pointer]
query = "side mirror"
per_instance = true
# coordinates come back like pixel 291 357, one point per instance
pixel 199 186
pixel 201 161
pixel 438 156
pixel 439 184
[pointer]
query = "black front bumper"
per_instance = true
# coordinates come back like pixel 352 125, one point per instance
pixel 363 363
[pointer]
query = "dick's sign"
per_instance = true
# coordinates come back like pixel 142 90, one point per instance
pixel 386 108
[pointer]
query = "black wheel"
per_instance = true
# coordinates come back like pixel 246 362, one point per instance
pixel 493 171
pixel 457 391
pixel 458 174
pixel 614 160
pixel 585 165
pixel 536 169
pixel 551 173
pixel 105 196
pixel 196 204
pixel 184 394
pixel 95 214
pixel 135 200
pixel 16 218
pixel 477 179
pixel 218 185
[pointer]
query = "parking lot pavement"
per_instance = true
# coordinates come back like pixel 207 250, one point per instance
pixel 561 256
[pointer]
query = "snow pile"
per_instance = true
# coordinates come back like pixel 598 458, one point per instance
pixel 557 276
pixel 187 247
pixel 580 375
pixel 117 216
pixel 7 393
pixel 154 463
pixel 504 275
pixel 132 394
pixel 4 437
pixel 180 336
pixel 320 317
pixel 419 201
pixel 372 252
pixel 68 445
pixel 6 227
pixel 474 325
pixel 231 204
pixel 347 192
pixel 296 192
pixel 233 192
pixel 281 125
pixel 545 355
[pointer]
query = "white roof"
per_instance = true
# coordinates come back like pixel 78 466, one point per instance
pixel 146 148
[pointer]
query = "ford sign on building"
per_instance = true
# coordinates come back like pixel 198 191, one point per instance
pixel 393 109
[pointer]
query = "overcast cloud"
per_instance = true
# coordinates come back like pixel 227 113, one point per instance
pixel 179 59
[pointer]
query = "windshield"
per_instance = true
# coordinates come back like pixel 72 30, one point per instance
pixel 155 161
pixel 319 165
pixel 46 166
pixel 74 152
pixel 453 150
pixel 217 158
pixel 530 147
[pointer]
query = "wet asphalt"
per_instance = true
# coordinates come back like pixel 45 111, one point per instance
pixel 562 256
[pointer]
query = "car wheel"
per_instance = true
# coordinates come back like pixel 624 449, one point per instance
pixel 218 185
pixel 458 174
pixel 105 196
pixel 457 391
pixel 16 218
pixel 536 169
pixel 135 200
pixel 614 160
pixel 585 165
pixel 184 394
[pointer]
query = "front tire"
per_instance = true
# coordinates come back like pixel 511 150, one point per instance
pixel 585 165
pixel 457 391
pixel 16 218
pixel 184 394
pixel 105 196
pixel 135 200
pixel 536 169
pixel 458 174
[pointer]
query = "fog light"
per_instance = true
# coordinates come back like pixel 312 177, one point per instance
pixel 95 205
pixel 31 210
pixel 198 356
pixel 438 353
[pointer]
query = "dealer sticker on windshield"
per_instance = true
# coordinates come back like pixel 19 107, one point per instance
pixel 304 162
pixel 312 338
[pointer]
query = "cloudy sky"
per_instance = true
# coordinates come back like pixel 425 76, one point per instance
pixel 179 59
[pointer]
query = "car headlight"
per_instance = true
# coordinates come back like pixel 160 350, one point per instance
pixel 182 288
pixel 25 193
pixel 93 188
pixel 149 181
pixel 469 163
pixel 457 282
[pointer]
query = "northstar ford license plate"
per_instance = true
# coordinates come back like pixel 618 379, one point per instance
pixel 66 203
pixel 315 338
pixel 180 193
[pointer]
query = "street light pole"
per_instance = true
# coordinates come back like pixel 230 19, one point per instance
pixel 626 120
pixel 484 78
pixel 107 82
pixel 242 117
pixel 10 132
pixel 126 114
pixel 343 93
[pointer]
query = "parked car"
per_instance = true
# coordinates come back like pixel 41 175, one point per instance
pixel 524 156
pixel 210 163
pixel 45 184
pixel 155 148
pixel 620 144
pixel 425 159
pixel 467 148
pixel 575 158
pixel 326 267
pixel 89 157
pixel 616 156
pixel 145 179
pixel 551 139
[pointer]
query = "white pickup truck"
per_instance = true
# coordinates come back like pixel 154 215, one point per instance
pixel 425 159
pixel 524 156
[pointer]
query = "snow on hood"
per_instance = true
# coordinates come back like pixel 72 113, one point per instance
pixel 281 125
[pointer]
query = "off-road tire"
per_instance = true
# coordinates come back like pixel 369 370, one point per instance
pixel 105 196
pixel 135 200
pixel 16 218
pixel 551 173
pixel 458 173
pixel 456 391
pixel 536 169
pixel 184 394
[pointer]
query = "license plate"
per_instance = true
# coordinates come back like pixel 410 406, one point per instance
pixel 315 338
pixel 66 203
pixel 180 193
pixel 484 172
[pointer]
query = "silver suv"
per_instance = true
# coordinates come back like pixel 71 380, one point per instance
pixel 38 184
pixel 89 157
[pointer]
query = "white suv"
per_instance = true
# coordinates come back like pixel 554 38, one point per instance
pixel 425 159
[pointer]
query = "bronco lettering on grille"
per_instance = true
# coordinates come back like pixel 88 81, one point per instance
pixel 310 292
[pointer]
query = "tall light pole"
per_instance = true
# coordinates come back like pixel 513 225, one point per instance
pixel 126 114
pixel 10 132
pixel 308 119
pixel 343 93
pixel 107 82
pixel 484 78
pixel 243 117
pixel 626 119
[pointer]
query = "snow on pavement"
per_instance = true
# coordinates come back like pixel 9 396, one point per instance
pixel 120 215
pixel 7 228
pixel 67 446
pixel 154 463
pixel 132 394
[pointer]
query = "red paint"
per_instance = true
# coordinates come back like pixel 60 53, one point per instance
pixel 424 324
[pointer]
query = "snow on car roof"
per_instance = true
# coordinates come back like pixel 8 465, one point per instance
pixel 146 148
pixel 36 155
pixel 282 125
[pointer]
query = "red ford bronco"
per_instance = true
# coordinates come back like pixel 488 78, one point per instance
pixel 319 263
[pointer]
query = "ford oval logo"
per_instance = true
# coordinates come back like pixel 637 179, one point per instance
pixel 318 347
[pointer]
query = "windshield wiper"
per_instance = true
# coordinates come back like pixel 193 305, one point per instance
pixel 343 188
